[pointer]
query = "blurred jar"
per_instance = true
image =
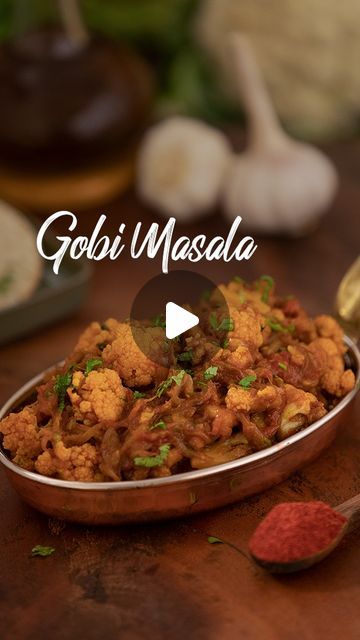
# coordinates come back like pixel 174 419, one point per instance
pixel 72 108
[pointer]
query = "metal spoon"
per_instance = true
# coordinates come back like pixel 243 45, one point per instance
pixel 350 509
pixel 347 301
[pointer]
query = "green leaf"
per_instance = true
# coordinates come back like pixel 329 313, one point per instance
pixel 227 324
pixel 214 540
pixel 178 378
pixel 238 279
pixel 138 395
pixel 247 381
pixel 5 282
pixel 283 365
pixel 186 356
pixel 153 461
pixel 92 364
pixel 39 550
pixel 159 321
pixel 275 325
pixel 210 373
pixel 62 382
pixel 159 425
pixel 225 344
pixel 269 284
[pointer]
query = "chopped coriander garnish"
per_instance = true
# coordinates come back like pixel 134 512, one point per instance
pixel 92 364
pixel 186 356
pixel 238 279
pixel 206 295
pixel 39 550
pixel 159 425
pixel 225 344
pixel 169 381
pixel 62 382
pixel 153 461
pixel 159 321
pixel 214 540
pixel 138 394
pixel 227 324
pixel 283 365
pixel 246 382
pixel 268 286
pixel 210 373
pixel 5 282
pixel 275 325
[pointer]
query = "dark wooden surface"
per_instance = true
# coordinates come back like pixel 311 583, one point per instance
pixel 165 581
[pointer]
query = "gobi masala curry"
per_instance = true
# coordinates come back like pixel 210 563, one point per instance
pixel 233 385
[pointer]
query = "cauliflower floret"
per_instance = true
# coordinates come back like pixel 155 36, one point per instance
pixel 131 363
pixel 327 327
pixel 301 408
pixel 236 295
pixel 335 379
pixel 22 436
pixel 247 328
pixel 94 339
pixel 253 400
pixel 73 463
pixel 99 396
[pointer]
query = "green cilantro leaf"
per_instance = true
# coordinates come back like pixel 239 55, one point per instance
pixel 39 550
pixel 214 540
pixel 246 382
pixel 62 382
pixel 153 461
pixel 227 324
pixel 206 295
pixel 213 321
pixel 186 356
pixel 159 321
pixel 5 282
pixel 210 373
pixel 283 365
pixel 277 326
pixel 159 425
pixel 269 284
pixel 238 279
pixel 138 394
pixel 225 344
pixel 92 364
pixel 178 378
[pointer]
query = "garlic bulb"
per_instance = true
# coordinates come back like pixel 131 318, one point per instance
pixel 277 184
pixel 181 167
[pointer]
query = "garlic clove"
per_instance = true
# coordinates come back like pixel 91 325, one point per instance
pixel 181 167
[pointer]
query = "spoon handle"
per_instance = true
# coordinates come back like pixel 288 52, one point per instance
pixel 351 510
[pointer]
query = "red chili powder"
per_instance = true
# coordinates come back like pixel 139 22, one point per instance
pixel 294 530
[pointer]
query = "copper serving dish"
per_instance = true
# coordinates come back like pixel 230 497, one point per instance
pixel 182 494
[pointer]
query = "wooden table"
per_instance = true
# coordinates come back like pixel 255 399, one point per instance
pixel 165 581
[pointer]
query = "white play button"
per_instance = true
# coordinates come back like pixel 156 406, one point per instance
pixel 178 320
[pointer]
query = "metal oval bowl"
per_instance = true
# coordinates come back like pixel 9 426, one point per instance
pixel 178 495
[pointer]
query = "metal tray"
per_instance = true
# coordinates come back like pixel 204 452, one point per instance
pixel 56 297
pixel 182 494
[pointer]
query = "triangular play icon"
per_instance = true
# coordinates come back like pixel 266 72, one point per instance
pixel 178 320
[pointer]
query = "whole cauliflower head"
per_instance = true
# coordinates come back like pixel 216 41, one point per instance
pixel 98 397
pixel 308 52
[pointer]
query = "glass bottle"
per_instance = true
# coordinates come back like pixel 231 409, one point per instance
pixel 72 107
